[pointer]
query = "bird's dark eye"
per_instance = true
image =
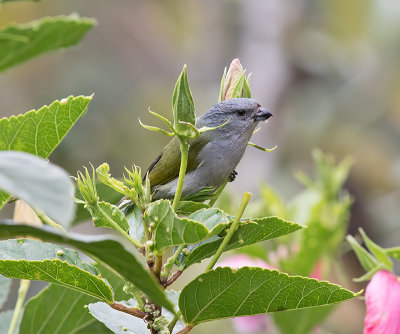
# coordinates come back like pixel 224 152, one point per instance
pixel 241 112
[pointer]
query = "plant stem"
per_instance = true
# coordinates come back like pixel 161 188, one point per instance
pixel 185 330
pixel 232 229
pixel 182 171
pixel 218 192
pixel 23 289
pixel 118 228
pixel 170 262
pixel 129 310
pixel 157 266
pixel 48 221
pixel 130 288
pixel 173 322
pixel 173 278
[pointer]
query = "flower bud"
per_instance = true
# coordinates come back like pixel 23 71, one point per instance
pixel 234 84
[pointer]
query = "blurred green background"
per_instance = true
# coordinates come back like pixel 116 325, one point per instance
pixel 328 70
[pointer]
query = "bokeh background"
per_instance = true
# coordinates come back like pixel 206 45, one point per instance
pixel 329 71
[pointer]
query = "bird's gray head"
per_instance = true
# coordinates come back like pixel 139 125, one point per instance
pixel 243 115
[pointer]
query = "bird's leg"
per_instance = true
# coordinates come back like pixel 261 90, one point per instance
pixel 232 176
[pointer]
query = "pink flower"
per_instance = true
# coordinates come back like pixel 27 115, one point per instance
pixel 383 304
pixel 255 323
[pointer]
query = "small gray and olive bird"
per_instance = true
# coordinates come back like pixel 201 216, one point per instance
pixel 213 155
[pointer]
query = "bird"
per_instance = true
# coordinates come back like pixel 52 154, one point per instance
pixel 213 155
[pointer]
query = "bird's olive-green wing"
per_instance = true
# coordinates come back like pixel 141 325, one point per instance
pixel 165 167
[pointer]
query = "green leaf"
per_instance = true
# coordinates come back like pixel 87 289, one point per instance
pixel 393 252
pixel 57 310
pixel 5 284
pixel 248 233
pixel 227 293
pixel 366 259
pixel 377 251
pixel 134 217
pixel 301 321
pixel 112 211
pixel 5 321
pixel 115 281
pixel 188 207
pixel 105 249
pixel 183 105
pixel 118 322
pixel 39 261
pixel 40 131
pixel 41 184
pixel 21 42
pixel 170 230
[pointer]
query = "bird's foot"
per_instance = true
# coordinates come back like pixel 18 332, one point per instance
pixel 232 177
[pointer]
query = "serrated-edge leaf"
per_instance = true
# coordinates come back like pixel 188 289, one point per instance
pixel 107 249
pixel 61 116
pixel 171 230
pixel 248 233
pixel 21 42
pixel 226 293
pixel 39 261
pixel 56 310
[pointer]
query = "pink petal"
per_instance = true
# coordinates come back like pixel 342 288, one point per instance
pixel 251 324
pixel 383 304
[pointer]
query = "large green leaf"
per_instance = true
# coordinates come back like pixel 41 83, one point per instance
pixel 20 42
pixel 57 310
pixel 106 249
pixel 39 261
pixel 170 230
pixel 226 293
pixel 40 131
pixel 41 184
pixel 248 233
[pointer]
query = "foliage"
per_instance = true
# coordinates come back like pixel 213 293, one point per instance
pixel 192 231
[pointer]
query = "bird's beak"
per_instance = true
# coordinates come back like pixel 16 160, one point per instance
pixel 262 114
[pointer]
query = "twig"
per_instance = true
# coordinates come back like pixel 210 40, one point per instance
pixel 185 330
pixel 130 310
pixel 173 278
pixel 171 261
